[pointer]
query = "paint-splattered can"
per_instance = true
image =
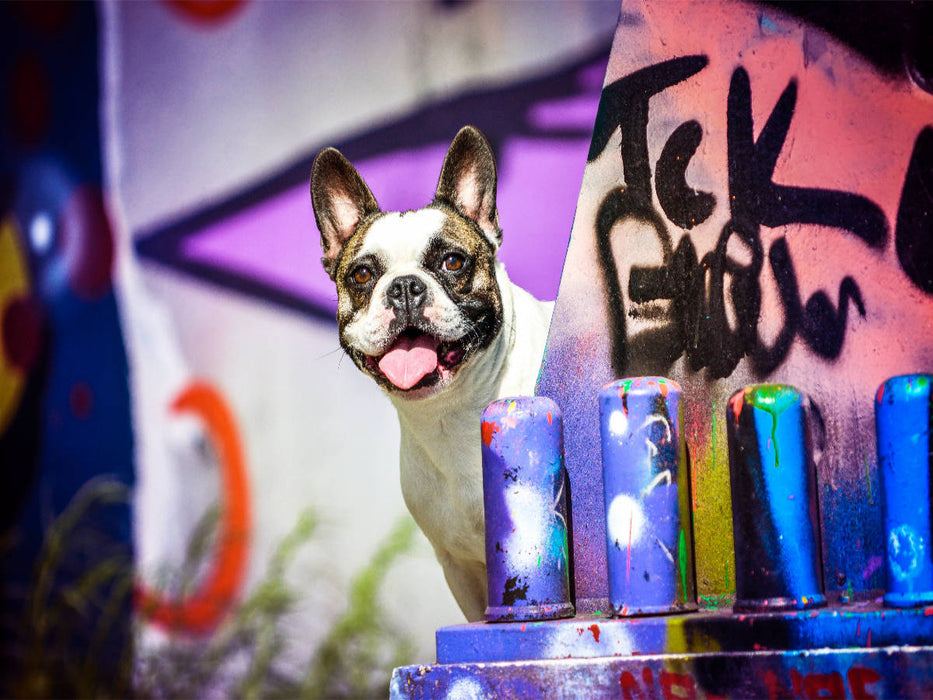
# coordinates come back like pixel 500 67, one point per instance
pixel 648 506
pixel 525 496
pixel 775 512
pixel 904 424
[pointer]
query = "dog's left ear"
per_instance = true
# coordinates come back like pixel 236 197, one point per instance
pixel 468 182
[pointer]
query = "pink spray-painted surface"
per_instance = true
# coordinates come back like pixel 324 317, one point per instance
pixel 752 210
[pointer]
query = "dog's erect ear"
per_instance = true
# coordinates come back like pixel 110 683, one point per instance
pixel 341 200
pixel 468 182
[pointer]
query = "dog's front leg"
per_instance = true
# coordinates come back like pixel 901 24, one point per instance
pixel 467 581
pixel 457 539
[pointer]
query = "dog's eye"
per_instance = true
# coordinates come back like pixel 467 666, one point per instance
pixel 453 262
pixel 362 275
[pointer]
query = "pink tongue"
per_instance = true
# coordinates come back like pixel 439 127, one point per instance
pixel 410 360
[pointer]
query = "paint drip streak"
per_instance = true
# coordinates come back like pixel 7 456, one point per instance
pixel 682 557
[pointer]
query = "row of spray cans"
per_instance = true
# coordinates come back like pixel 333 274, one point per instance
pixel 646 482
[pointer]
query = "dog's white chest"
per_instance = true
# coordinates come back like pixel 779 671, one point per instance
pixel 441 476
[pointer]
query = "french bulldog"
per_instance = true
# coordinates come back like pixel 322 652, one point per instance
pixel 427 310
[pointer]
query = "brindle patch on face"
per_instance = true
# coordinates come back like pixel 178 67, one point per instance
pixel 473 288
pixel 353 297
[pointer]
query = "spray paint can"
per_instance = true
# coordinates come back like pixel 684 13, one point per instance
pixel 525 498
pixel 775 512
pixel 649 538
pixel 903 423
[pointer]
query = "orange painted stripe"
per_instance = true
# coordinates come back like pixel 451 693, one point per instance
pixel 200 612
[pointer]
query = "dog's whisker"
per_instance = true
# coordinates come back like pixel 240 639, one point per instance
pixel 336 351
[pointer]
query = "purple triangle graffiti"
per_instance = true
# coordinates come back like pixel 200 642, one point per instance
pixel 263 241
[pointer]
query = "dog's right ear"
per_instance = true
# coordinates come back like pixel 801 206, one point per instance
pixel 341 200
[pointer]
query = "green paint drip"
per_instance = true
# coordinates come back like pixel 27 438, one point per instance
pixel 682 556
pixel 714 437
pixel 714 602
pixel 773 399
pixel 918 386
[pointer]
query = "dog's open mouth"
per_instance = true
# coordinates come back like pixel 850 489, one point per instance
pixel 417 360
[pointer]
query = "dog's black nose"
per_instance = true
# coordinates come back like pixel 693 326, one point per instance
pixel 407 293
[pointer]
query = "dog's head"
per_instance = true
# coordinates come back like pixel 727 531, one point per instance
pixel 417 291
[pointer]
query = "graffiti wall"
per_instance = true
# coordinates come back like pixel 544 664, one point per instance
pixel 857 674
pixel 755 208
pixel 170 375
pixel 65 424
pixel 211 180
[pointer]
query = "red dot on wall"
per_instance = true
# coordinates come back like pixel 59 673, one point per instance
pixel 30 99
pixel 206 11
pixel 81 400
pixel 87 242
pixel 21 332
pixel 49 17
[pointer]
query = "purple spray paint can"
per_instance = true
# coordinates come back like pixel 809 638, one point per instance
pixel 904 426
pixel 649 538
pixel 775 513
pixel 525 497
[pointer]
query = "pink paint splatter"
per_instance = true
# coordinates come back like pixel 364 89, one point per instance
pixel 873 565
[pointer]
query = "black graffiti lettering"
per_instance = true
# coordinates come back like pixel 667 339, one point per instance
pixel 821 325
pixel 623 105
pixel 913 237
pixel 713 304
pixel 753 194
pixel 619 206
pixel 721 346
pixel 684 206
pixel 765 359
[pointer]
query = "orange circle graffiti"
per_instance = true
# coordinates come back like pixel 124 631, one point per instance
pixel 200 612
pixel 206 11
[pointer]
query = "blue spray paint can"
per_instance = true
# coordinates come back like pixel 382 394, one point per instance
pixel 775 512
pixel 649 538
pixel 903 422
pixel 525 497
